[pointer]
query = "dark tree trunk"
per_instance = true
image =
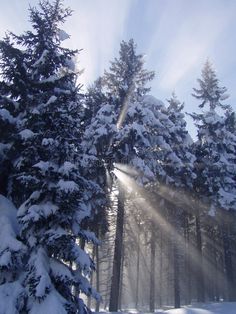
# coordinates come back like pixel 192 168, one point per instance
pixel 137 272
pixel 121 277
pixel 97 276
pixel 176 274
pixel 117 261
pixel 152 269
pixel 108 281
pixel 176 222
pixel 91 280
pixel 4 177
pixel 228 262
pixel 161 269
pixel 199 262
pixel 188 277
pixel 216 276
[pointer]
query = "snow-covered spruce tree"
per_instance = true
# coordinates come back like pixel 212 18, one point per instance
pixel 179 163
pixel 99 128
pixel 173 171
pixel 178 166
pixel 98 125
pixel 55 201
pixel 13 86
pixel 126 79
pixel 124 85
pixel 215 159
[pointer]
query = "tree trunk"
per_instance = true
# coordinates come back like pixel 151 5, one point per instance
pixel 176 274
pixel 108 281
pixel 137 271
pixel 91 279
pixel 121 280
pixel 199 262
pixel 97 276
pixel 228 263
pixel 152 269
pixel 188 286
pixel 217 293
pixel 4 177
pixel 117 261
pixel 161 269
pixel 175 223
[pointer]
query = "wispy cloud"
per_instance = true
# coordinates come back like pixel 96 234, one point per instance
pixel 196 29
pixel 97 27
pixel 187 51
pixel 176 36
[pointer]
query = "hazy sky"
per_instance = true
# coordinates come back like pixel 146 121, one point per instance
pixel 177 36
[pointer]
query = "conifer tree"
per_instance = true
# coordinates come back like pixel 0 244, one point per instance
pixel 179 167
pixel 55 200
pixel 210 92
pixel 125 84
pixel 214 157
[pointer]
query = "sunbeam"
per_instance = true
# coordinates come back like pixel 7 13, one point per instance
pixel 164 196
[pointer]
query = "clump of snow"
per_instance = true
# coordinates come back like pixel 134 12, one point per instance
pixel 8 210
pixel 8 243
pixel 44 166
pixel 212 211
pixel 63 35
pixel 11 249
pixel 188 140
pixel 47 141
pixel 23 208
pixel 211 117
pixel 26 134
pixel 66 168
pixel 226 198
pixel 11 298
pixel 51 100
pixel 68 186
pixel 5 115
pixel 60 270
pixel 3 149
pixel 42 58
pixel 51 78
pixel 71 63
pixel 35 212
pixel 40 265
pixel 53 304
pixel 82 259
pixel 151 100
pixel 35 111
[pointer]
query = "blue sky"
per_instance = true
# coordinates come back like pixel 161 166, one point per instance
pixel 176 36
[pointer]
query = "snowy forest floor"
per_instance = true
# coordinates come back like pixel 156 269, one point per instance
pixel 206 308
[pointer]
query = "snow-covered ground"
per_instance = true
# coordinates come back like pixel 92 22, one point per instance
pixel 211 308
